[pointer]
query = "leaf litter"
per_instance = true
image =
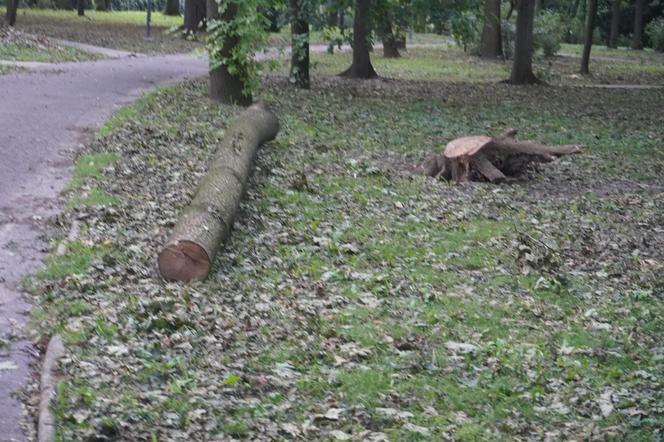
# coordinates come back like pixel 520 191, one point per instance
pixel 372 303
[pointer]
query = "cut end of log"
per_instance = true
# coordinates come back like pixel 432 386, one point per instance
pixel 466 146
pixel 184 261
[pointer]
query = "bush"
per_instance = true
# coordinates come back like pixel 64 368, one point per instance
pixel 508 31
pixel 548 32
pixel 573 30
pixel 655 32
pixel 466 31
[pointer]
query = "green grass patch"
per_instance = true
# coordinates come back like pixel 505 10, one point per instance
pixel 44 55
pixel 76 261
pixel 91 166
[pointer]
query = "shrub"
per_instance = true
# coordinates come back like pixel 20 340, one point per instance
pixel 655 32
pixel 508 31
pixel 548 32
pixel 466 32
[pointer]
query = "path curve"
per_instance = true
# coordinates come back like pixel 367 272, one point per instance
pixel 45 115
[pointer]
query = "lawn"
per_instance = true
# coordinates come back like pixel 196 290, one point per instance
pixel 18 46
pixel 357 299
pixel 452 64
pixel 124 30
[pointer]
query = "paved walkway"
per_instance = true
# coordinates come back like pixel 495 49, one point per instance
pixel 45 115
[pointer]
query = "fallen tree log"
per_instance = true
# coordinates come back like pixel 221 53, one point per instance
pixel 492 159
pixel 206 223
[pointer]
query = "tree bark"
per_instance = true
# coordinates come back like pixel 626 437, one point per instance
pixel 637 40
pixel 10 14
pixel 522 68
pixel 332 13
pixel 361 66
pixel 389 38
pixel 492 46
pixel 172 7
pixel 194 15
pixel 492 159
pixel 226 87
pixel 104 5
pixel 615 24
pixel 80 7
pixel 299 70
pixel 591 12
pixel 206 223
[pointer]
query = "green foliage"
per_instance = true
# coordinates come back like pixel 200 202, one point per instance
pixel 655 32
pixel 466 30
pixel 548 32
pixel 508 31
pixel 232 43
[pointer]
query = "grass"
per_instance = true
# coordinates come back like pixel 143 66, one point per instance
pixel 452 64
pixel 124 30
pixel 45 55
pixel 136 18
pixel 9 69
pixel 357 298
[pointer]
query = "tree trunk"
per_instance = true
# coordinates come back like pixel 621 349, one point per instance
pixel 104 5
pixel 206 223
pixel 574 8
pixel 492 46
pixel 493 159
pixel 10 15
pixel 194 15
pixel 390 48
pixel 361 66
pixel 615 24
pixel 226 87
pixel 591 12
pixel 522 68
pixel 299 70
pixel 637 40
pixel 332 13
pixel 80 7
pixel 172 7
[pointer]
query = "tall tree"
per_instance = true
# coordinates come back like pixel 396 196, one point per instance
pixel 637 40
pixel 172 7
pixel 194 15
pixel 492 46
pixel 80 7
pixel 591 12
pixel 389 38
pixel 361 66
pixel 104 5
pixel 615 24
pixel 10 15
pixel 229 74
pixel 522 68
pixel 299 70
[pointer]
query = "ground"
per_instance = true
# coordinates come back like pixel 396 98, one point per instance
pixel 18 46
pixel 124 30
pixel 356 298
pixel 46 114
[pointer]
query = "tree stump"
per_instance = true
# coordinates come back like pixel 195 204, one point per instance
pixel 206 223
pixel 500 159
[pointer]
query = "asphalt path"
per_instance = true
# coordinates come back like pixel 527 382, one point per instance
pixel 45 116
